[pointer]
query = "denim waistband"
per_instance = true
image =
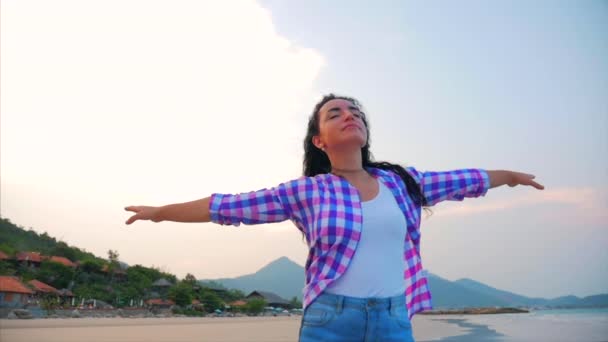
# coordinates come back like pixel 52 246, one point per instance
pixel 340 301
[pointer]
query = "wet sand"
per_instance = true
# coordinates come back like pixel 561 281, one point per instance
pixel 186 329
pixel 529 328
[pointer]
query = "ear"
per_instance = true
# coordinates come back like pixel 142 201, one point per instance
pixel 316 140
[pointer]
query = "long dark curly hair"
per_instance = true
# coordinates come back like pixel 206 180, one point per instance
pixel 316 161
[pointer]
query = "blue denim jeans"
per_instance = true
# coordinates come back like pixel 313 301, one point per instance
pixel 332 317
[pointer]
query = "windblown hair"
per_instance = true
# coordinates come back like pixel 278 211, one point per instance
pixel 316 161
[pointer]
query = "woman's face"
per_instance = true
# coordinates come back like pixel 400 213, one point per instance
pixel 340 125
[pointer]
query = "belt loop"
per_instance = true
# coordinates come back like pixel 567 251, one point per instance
pixel 339 304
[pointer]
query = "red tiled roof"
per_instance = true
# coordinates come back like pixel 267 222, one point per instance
pixel 4 256
pixel 158 301
pixel 62 260
pixel 42 287
pixel 238 303
pixel 12 284
pixel 29 256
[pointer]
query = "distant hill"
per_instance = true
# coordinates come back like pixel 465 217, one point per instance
pixel 14 239
pixel 286 278
pixel 282 276
pixel 510 298
pixel 448 294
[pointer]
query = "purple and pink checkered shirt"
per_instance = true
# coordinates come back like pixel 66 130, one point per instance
pixel 327 209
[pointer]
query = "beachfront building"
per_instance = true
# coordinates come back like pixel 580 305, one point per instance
pixel 63 260
pixel 118 273
pixel 160 306
pixel 271 299
pixel 67 297
pixel 4 256
pixel 161 287
pixel 42 290
pixel 196 305
pixel 160 303
pixel 236 306
pixel 13 293
pixel 29 259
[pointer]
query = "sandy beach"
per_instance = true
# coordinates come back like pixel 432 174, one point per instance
pixel 445 328
pixel 185 329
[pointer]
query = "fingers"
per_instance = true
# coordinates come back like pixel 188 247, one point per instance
pixel 537 185
pixel 533 183
pixel 132 219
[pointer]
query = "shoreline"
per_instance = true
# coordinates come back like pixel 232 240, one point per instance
pixel 426 328
pixel 186 329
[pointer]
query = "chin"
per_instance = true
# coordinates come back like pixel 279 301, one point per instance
pixel 352 143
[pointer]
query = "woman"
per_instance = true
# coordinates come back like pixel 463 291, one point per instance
pixel 361 221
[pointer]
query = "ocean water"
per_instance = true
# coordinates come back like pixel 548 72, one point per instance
pixel 568 325
pixel 598 313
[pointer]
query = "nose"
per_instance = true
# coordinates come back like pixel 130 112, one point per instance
pixel 349 114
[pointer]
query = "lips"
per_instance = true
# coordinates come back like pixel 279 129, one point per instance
pixel 350 125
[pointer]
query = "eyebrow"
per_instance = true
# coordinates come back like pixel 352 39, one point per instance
pixel 338 108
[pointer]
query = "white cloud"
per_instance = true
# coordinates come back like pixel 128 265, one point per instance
pixel 581 205
pixel 144 102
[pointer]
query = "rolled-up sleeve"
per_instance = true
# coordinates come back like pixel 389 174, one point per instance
pixel 453 185
pixel 276 204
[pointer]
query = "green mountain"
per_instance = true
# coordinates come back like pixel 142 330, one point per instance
pixel 16 239
pixel 508 297
pixel 282 276
pixel 107 280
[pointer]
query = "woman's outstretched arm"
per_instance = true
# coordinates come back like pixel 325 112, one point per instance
pixel 255 207
pixel 194 211
pixel 512 178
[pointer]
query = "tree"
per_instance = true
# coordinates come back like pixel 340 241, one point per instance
pixel 295 303
pixel 113 257
pixel 55 274
pixel 114 265
pixel 190 279
pixel 62 249
pixel 234 294
pixel 6 268
pixel 211 301
pixel 91 266
pixel 255 306
pixel 181 294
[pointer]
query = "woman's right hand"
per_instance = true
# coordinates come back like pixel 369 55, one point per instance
pixel 143 213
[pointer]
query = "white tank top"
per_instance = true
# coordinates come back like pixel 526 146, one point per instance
pixel 377 267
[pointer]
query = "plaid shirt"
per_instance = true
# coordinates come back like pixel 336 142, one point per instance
pixel 327 209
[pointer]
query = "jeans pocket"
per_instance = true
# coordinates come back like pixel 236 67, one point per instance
pixel 402 317
pixel 317 316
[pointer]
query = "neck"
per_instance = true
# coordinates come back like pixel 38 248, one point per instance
pixel 345 160
pixel 347 163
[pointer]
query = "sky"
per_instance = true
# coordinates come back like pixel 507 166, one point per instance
pixel 117 103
